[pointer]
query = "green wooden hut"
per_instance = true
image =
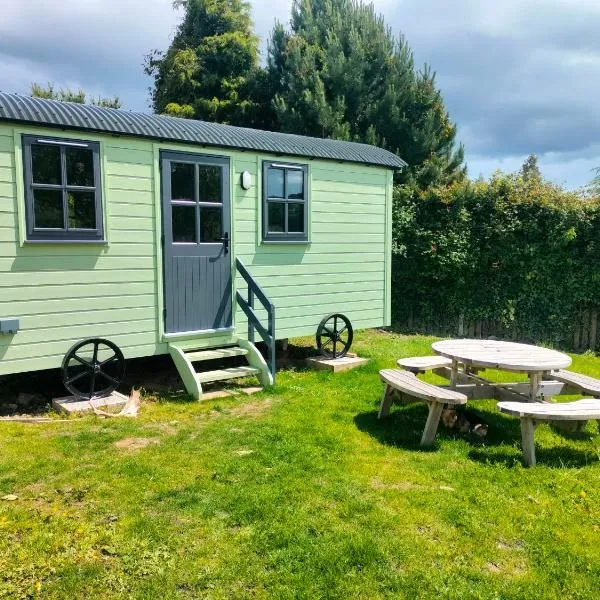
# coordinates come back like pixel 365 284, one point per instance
pixel 176 236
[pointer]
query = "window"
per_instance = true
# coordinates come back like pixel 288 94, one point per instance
pixel 285 206
pixel 63 198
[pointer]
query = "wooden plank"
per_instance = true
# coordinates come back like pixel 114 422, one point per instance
pixel 527 442
pixel 408 383
pixel 586 384
pixel 433 419
pixel 421 364
pixel 589 408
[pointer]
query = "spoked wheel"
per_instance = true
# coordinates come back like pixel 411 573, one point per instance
pixel 334 336
pixel 93 368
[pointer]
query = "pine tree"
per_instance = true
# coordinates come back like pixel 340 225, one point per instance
pixel 340 73
pixel 211 68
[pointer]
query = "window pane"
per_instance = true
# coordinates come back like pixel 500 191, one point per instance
pixel 210 224
pixel 80 166
pixel 210 184
pixel 295 217
pixel 275 183
pixel 295 184
pixel 182 181
pixel 46 164
pixel 82 210
pixel 184 223
pixel 276 216
pixel 48 209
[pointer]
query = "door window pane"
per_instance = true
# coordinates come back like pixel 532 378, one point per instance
pixel 182 181
pixel 209 181
pixel 48 209
pixel 82 210
pixel 275 183
pixel 295 217
pixel 295 185
pixel 210 224
pixel 80 166
pixel 276 216
pixel 184 223
pixel 45 162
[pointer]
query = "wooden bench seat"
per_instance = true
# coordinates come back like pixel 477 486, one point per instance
pixel 531 414
pixel 422 364
pixel 584 383
pixel 408 384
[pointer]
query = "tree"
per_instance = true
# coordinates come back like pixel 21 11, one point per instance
pixel 211 69
pixel 67 95
pixel 530 171
pixel 340 73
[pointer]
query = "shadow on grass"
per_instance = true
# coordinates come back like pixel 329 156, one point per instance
pixel 404 426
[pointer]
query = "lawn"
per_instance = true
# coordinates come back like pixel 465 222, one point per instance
pixel 298 492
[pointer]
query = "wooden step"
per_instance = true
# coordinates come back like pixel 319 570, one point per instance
pixel 231 373
pixel 215 354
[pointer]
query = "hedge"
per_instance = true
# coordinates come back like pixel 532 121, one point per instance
pixel 521 256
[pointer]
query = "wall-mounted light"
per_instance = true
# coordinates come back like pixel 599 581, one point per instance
pixel 246 180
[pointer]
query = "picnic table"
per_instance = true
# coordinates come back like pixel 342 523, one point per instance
pixel 470 356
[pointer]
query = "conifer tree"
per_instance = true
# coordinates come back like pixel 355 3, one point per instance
pixel 211 68
pixel 341 73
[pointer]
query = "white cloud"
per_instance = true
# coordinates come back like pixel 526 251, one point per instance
pixel 518 76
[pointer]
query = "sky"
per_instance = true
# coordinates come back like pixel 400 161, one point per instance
pixel 517 76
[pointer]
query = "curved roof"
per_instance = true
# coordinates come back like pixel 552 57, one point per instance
pixel 85 117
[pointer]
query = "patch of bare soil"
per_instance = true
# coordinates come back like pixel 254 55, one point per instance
pixel 251 409
pixel 401 485
pixel 131 444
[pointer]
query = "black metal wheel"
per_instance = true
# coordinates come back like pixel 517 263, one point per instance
pixel 334 336
pixel 93 368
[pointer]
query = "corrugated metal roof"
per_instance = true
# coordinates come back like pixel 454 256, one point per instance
pixel 84 117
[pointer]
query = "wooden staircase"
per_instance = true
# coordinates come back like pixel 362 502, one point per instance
pixel 186 357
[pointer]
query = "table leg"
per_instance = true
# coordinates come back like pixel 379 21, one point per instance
pixel 527 441
pixel 534 386
pixel 454 374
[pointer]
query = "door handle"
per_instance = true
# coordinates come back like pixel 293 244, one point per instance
pixel 225 240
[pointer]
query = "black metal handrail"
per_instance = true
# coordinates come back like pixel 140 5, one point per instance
pixel 266 333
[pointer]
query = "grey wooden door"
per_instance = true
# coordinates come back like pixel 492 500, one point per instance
pixel 196 237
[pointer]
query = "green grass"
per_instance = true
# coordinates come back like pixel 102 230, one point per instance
pixel 298 492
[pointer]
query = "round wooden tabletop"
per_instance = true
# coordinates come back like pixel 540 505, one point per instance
pixel 507 356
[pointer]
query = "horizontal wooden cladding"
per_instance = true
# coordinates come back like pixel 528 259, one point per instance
pixel 327 225
pixel 131 210
pixel 119 231
pixel 20 344
pixel 7 160
pixel 118 183
pixel 337 269
pixel 53 361
pixel 119 155
pixel 273 257
pixel 358 177
pixel 14 359
pixel 50 322
pixel 32 263
pixel 328 298
pixel 127 169
pixel 293 282
pixel 91 277
pixel 32 305
pixel 341 187
pixel 116 248
pixel 7 189
pixel 335 244
pixel 7 174
pixel 131 197
pixel 82 291
pixel 7 141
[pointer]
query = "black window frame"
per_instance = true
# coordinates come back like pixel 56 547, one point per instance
pixel 64 234
pixel 285 236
